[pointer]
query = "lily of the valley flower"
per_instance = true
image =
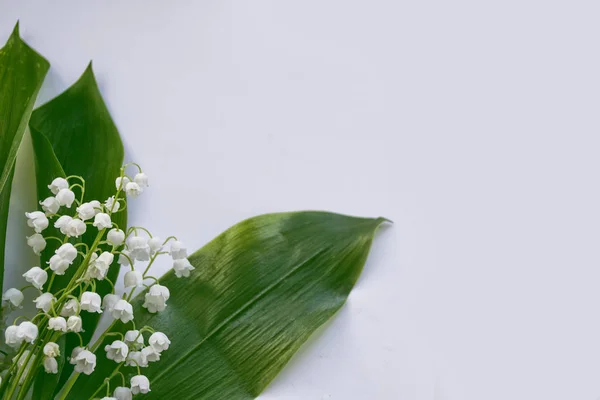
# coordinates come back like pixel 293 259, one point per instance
pixel 70 308
pixel 116 351
pixel 134 339
pixel 136 358
pixel 151 354
pixel 178 250
pixel 122 393
pixel 14 296
pixel 122 310
pixel 58 324
pixel 44 302
pixel 99 268
pixel 133 189
pixel 109 301
pixel 156 298
pixel 112 205
pixel 141 179
pixel 121 182
pixel 11 338
pixel 155 244
pixel 159 341
pixel 90 302
pixel 88 210
pixel 51 349
pixel 37 220
pixel 50 205
pixel 50 365
pixel 138 248
pixel 37 243
pixel 58 264
pixel 116 237
pixel 102 221
pixel 75 228
pixel 133 279
pixel 36 276
pixel 140 384
pixel 62 223
pixel 27 332
pixel 74 323
pixel 123 260
pixel 85 362
pixel 182 268
pixel 65 197
pixel 67 251
pixel 58 184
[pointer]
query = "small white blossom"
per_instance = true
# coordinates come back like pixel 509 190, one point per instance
pixel 76 351
pixel 155 244
pixel 112 205
pixel 159 341
pixel 50 365
pixel 178 250
pixel 108 398
pixel 11 337
pixel 44 301
pixel 102 221
pixel 50 205
pixel 65 197
pixel 121 182
pixel 15 296
pixel 151 354
pixel 75 228
pixel 133 279
pixel 133 189
pixel 140 384
pixel 62 223
pixel 122 393
pixel 90 301
pixel 85 362
pixel 51 349
pixel 37 220
pixel 123 260
pixel 136 358
pixel 70 308
pixel 36 276
pixel 58 184
pixel 99 268
pixel 74 323
pixel 138 248
pixel 88 210
pixel 116 237
pixel 58 324
pixel 109 301
pixel 122 310
pixel 182 267
pixel 37 243
pixel 155 299
pixel 134 339
pixel 67 251
pixel 27 331
pixel 58 264
pixel 116 351
pixel 141 179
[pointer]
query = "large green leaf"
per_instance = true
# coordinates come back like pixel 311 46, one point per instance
pixel 22 71
pixel 73 134
pixel 260 289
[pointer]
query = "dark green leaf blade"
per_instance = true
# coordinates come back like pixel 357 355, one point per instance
pixel 260 289
pixel 22 71
pixel 74 134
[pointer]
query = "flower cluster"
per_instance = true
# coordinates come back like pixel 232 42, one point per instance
pixel 62 311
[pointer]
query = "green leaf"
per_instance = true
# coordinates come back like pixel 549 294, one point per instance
pixel 22 71
pixel 259 290
pixel 74 134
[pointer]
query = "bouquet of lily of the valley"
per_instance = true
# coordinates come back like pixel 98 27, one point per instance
pixel 219 325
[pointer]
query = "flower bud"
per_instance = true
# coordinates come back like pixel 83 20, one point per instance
pixel 116 237
pixel 50 365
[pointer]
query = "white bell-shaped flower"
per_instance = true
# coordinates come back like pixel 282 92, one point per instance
pixel 37 243
pixel 182 268
pixel 140 384
pixel 76 228
pixel 27 331
pixel 134 339
pixel 57 324
pixel 123 311
pixel 74 323
pixel 151 354
pixel 76 351
pixel 85 362
pixel 141 179
pixel 155 299
pixel 58 264
pixel 99 268
pixel 50 205
pixel 136 358
pixel 123 260
pixel 36 276
pixel 50 365
pixel 178 250
pixel 122 393
pixel 121 183
pixel 51 349
pixel 138 248
pixel 102 221
pixel 11 337
pixel 90 301
pixel 111 205
pixel 68 252
pixel 58 184
pixel 133 279
pixel 116 237
pixel 44 301
pixel 155 244
pixel 88 210
pixel 37 220
pixel 65 197
pixel 109 301
pixel 70 308
pixel 117 351
pixel 133 189
pixel 62 223
pixel 159 341
pixel 14 296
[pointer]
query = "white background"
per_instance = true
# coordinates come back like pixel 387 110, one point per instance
pixel 472 124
